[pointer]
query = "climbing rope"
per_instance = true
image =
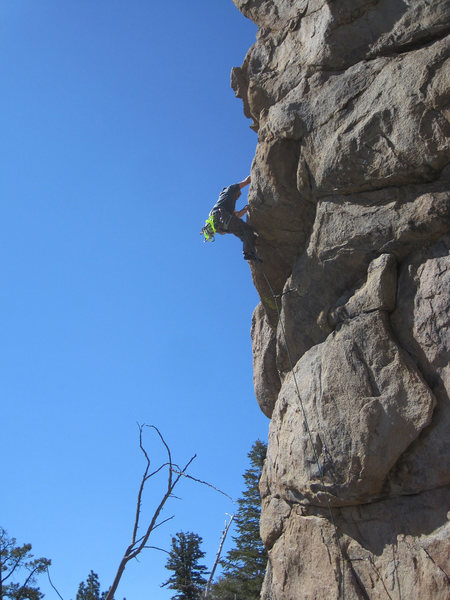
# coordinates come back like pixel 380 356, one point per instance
pixel 289 291
pixel 305 419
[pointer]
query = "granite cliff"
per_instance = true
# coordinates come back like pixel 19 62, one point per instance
pixel 350 197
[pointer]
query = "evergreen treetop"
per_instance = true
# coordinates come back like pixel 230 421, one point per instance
pixel 245 564
pixel 91 589
pixel 18 562
pixel 188 575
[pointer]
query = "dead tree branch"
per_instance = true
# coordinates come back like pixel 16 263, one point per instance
pixel 51 583
pixel 174 474
pixel 219 552
pixel 204 483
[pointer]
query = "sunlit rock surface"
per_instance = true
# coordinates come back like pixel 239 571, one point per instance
pixel 350 195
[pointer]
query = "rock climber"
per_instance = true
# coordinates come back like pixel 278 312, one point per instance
pixel 223 218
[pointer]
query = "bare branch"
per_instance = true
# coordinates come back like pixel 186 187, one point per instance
pixel 156 548
pixel 219 552
pixel 176 497
pixel 51 583
pixel 141 488
pixel 137 545
pixel 158 470
pixel 166 447
pixel 138 542
pixel 207 484
pixel 167 495
pixel 174 475
pixel 163 522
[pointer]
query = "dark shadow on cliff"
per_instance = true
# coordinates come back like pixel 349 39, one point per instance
pixel 402 321
pixel 377 525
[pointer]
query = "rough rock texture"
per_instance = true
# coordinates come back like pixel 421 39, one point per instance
pixel 350 195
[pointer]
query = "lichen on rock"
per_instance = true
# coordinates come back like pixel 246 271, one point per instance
pixel 350 197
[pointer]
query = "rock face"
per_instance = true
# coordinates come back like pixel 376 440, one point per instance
pixel 350 195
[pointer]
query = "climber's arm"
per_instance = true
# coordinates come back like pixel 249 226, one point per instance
pixel 241 213
pixel 244 183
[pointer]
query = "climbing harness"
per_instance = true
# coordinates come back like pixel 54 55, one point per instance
pixel 305 419
pixel 217 222
pixel 221 219
pixel 208 230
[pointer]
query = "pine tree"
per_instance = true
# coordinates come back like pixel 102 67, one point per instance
pixel 245 564
pixel 16 561
pixel 187 578
pixel 91 589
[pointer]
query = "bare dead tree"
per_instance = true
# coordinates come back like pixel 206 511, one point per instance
pixel 139 543
pixel 219 552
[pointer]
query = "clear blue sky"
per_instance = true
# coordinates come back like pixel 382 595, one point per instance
pixel 119 129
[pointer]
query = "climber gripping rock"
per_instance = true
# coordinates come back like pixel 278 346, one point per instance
pixel 223 218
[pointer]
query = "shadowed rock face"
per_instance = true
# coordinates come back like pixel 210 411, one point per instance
pixel 350 195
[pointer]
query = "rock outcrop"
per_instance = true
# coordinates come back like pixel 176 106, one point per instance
pixel 350 195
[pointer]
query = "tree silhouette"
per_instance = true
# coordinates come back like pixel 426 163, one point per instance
pixel 91 589
pixel 188 575
pixel 18 561
pixel 245 564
